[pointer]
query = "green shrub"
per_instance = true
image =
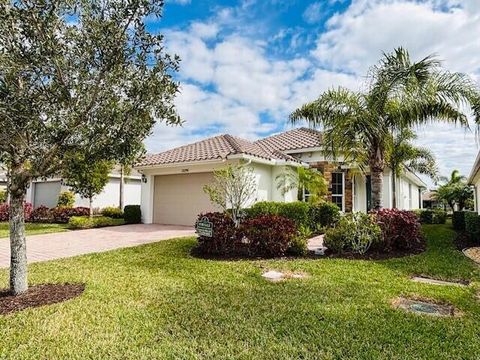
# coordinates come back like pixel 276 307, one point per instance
pixel 472 225
pixel 425 216
pixel 355 232
pixel 112 212
pixel 458 220
pixel 325 214
pixel 3 196
pixel 132 214
pixel 298 246
pixel 439 216
pixel 297 211
pixel 66 199
pixel 85 222
pixel 263 208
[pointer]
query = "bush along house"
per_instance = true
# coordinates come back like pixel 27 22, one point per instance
pixel 172 181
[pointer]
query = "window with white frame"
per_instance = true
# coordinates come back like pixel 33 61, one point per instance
pixel 338 189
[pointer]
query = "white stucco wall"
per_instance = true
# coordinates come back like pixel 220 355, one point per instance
pixel 110 196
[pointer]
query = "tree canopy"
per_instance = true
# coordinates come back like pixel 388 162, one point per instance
pixel 76 75
pixel 400 94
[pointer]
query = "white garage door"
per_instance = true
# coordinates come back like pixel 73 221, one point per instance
pixel 179 199
pixel 46 193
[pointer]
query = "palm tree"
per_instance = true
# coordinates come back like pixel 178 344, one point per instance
pixel 401 94
pixel 454 191
pixel 403 155
pixel 455 178
pixel 304 180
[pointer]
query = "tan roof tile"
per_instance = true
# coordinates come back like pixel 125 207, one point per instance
pixel 219 147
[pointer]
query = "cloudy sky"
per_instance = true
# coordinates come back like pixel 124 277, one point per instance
pixel 247 64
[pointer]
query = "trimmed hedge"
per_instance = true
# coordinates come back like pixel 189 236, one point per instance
pixel 428 216
pixel 324 214
pixel 301 213
pixel 59 215
pixel 85 222
pixel 472 225
pixel 112 212
pixel 458 219
pixel 132 214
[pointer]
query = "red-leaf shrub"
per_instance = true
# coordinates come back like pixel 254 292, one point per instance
pixel 4 211
pixel 401 230
pixel 41 214
pixel 269 235
pixel 63 214
pixel 225 239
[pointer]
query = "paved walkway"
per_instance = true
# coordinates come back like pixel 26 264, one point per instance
pixel 73 243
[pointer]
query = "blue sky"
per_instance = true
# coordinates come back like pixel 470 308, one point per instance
pixel 247 64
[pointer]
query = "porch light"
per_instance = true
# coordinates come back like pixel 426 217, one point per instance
pixel 144 179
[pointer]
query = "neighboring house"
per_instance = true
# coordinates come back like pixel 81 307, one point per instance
pixel 474 180
pixel 46 192
pixel 429 201
pixel 172 181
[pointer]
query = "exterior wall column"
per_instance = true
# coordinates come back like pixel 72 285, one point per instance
pixel 147 196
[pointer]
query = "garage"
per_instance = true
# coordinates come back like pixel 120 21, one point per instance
pixel 178 199
pixel 46 193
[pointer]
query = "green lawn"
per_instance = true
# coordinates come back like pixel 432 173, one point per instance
pixel 34 229
pixel 156 301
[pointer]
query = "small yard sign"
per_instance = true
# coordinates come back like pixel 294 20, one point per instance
pixel 204 227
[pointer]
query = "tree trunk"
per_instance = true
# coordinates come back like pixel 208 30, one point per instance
pixel 377 166
pixel 122 188
pixel 18 246
pixel 377 189
pixel 394 189
pixel 90 203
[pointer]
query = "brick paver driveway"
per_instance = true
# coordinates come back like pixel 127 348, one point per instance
pixel 73 243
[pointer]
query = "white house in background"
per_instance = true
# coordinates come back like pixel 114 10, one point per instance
pixel 172 181
pixel 474 180
pixel 46 192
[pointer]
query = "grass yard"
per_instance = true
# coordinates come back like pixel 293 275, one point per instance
pixel 34 228
pixel 156 301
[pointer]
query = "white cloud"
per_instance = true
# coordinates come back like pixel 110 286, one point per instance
pixel 314 12
pixel 230 79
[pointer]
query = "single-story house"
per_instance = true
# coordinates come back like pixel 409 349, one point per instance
pixel 172 181
pixel 45 192
pixel 429 201
pixel 474 180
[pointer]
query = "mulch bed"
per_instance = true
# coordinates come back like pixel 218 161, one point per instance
pixel 38 295
pixel 373 255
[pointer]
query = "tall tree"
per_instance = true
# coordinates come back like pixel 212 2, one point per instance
pixel 402 155
pixel 85 175
pixel 75 75
pixel 401 94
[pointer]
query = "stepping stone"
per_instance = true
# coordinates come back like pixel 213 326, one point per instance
pixel 275 276
pixel 424 307
pixel 427 280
